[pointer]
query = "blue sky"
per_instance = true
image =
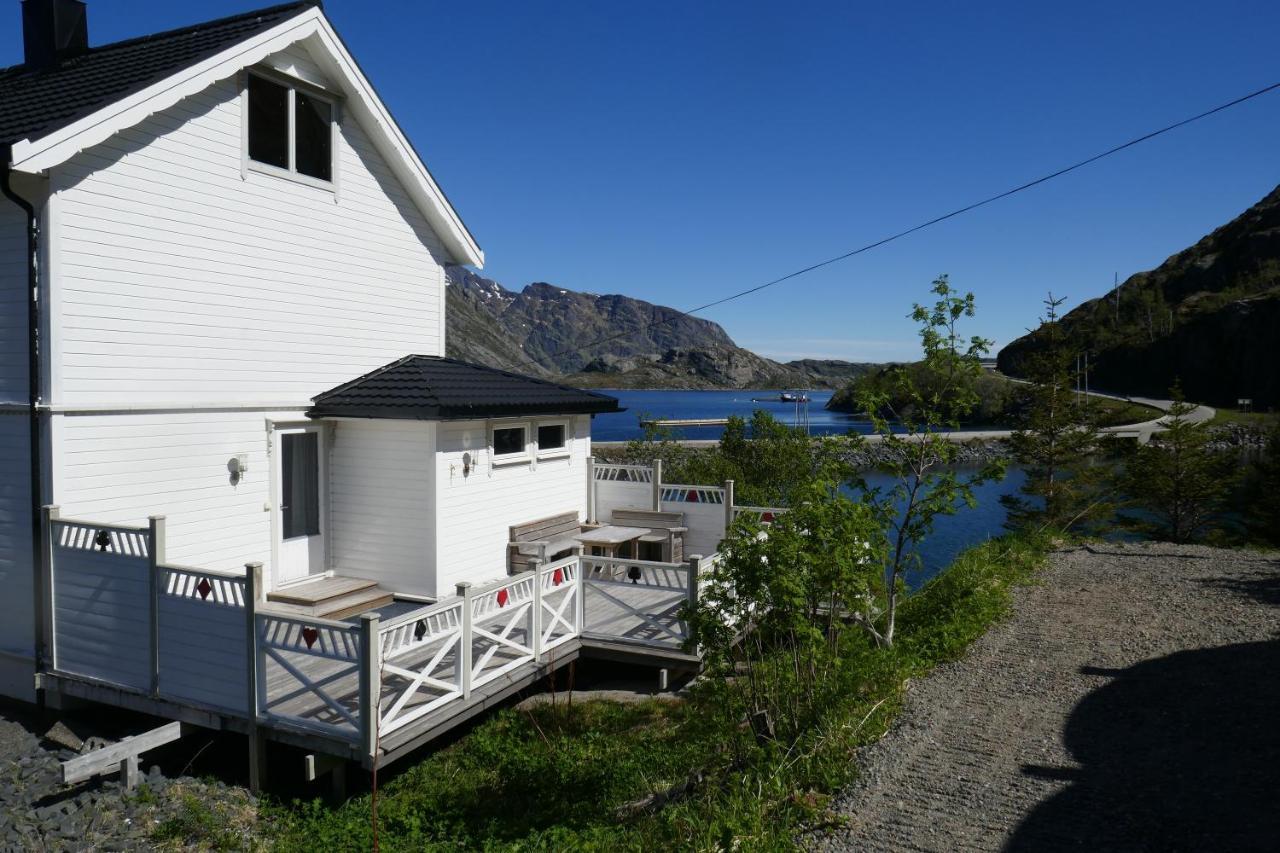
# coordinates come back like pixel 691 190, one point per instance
pixel 679 151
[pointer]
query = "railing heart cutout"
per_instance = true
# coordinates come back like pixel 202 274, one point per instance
pixel 309 636
pixel 503 598
pixel 558 577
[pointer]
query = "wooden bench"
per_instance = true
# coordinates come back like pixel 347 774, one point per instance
pixel 544 539
pixel 668 530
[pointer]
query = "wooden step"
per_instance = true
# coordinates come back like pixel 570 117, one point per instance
pixel 330 598
pixel 313 592
pixel 354 604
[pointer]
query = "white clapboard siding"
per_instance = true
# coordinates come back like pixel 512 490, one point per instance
pixel 13 304
pixel 477 510
pixel 203 655
pixel 102 616
pixel 16 603
pixel 381 503
pixel 122 468
pixel 181 281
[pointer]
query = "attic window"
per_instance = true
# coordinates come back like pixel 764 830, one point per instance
pixel 290 129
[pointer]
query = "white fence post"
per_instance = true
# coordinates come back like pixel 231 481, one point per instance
pixel 695 569
pixel 252 584
pixel 579 607
pixel 46 654
pixel 728 505
pixel 535 618
pixel 370 682
pixel 155 559
pixel 464 641
pixel 255 678
pixel 657 485
pixel 591 490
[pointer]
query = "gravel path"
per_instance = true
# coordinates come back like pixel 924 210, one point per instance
pixel 1132 702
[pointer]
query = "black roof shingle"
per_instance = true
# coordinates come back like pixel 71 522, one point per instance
pixel 422 387
pixel 35 103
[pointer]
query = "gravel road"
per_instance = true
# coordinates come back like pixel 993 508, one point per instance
pixel 1131 702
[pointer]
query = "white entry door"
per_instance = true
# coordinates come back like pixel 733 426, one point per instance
pixel 299 487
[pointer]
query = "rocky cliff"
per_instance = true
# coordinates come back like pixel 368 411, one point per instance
pixel 541 329
pixel 1208 316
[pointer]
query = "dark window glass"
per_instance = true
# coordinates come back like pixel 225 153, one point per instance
pixel 508 440
pixel 314 139
pixel 551 437
pixel 300 467
pixel 268 122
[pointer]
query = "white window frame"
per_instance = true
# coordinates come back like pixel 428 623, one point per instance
pixel 293 85
pixel 565 449
pixel 521 456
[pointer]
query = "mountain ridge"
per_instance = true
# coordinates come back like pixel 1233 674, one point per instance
pixel 541 330
pixel 1206 317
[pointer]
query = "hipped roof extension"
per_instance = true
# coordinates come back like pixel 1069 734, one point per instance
pixel 421 387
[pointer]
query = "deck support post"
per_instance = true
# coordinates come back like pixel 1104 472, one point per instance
pixel 257 759
pixel 535 616
pixel 657 485
pixel 370 682
pixel 728 505
pixel 156 546
pixel 464 641
pixel 591 490
pixel 46 654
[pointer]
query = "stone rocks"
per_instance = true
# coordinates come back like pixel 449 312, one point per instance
pixel 38 812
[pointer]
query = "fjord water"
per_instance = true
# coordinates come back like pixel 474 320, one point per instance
pixel 683 405
pixel 952 533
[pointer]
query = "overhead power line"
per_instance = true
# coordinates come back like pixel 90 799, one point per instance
pixel 674 314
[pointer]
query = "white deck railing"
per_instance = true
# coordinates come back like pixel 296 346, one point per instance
pixel 118 614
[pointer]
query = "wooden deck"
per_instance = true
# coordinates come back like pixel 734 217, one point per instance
pixel 311 696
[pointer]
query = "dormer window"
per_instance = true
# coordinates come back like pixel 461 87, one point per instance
pixel 290 128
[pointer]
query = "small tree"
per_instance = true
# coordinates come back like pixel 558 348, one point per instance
pixel 1057 437
pixel 917 453
pixel 1177 478
pixel 1263 514
pixel 794 582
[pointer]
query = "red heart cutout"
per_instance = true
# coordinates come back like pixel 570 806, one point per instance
pixel 767 518
pixel 309 636
pixel 558 577
pixel 692 497
pixel 503 598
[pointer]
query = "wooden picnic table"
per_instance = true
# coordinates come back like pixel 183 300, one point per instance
pixel 611 538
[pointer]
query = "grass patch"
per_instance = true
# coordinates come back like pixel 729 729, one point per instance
pixel 1260 420
pixel 196 821
pixel 558 777
pixel 1122 412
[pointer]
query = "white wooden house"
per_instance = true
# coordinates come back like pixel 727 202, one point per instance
pixel 229 223
pixel 222 331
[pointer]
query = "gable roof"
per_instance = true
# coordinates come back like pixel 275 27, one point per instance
pixel 47 116
pixel 423 387
pixel 38 102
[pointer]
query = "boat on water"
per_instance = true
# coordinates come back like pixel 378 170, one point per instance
pixel 793 397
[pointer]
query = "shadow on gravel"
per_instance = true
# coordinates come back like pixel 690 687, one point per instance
pixel 1262 587
pixel 1177 753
